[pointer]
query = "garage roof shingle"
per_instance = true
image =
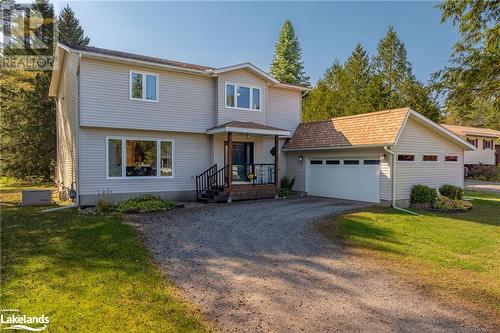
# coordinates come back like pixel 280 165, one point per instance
pixel 375 128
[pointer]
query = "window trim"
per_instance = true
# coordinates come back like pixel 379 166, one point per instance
pixel 430 154
pixel 124 156
pixel 450 155
pixel 236 85
pixel 144 74
pixel 404 161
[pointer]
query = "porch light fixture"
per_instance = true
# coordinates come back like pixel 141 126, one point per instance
pixel 301 158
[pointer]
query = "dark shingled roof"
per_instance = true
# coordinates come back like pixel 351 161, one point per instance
pixel 249 124
pixel 140 57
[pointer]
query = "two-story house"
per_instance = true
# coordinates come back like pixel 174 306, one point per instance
pixel 131 124
pixel 483 139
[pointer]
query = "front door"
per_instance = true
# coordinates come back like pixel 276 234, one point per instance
pixel 242 159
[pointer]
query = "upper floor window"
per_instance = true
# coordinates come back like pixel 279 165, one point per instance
pixel 143 86
pixel 407 158
pixel 487 144
pixel 242 97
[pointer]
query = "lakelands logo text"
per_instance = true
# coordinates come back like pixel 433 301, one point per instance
pixel 13 319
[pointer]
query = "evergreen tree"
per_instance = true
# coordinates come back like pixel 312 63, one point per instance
pixel 391 65
pixel 27 120
pixel 471 84
pixel 287 65
pixel 70 31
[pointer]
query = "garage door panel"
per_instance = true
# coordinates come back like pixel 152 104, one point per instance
pixel 355 182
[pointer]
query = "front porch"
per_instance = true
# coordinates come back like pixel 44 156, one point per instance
pixel 246 157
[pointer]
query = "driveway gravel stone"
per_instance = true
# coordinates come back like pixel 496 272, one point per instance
pixel 262 267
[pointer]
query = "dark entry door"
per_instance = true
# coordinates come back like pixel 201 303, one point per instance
pixel 242 159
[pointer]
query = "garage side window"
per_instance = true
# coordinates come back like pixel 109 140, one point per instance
pixel 406 158
pixel 429 158
pixel 451 158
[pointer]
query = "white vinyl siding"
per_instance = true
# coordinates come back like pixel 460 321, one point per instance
pixel 419 140
pixel 284 108
pixel 192 156
pixel 480 155
pixel 186 102
pixel 67 124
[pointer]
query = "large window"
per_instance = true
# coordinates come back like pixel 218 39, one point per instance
pixel 130 157
pixel 144 86
pixel 242 97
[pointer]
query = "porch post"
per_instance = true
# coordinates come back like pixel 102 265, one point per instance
pixel 276 162
pixel 229 164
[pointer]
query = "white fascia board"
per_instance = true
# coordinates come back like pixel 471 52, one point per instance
pixel 248 131
pixel 249 66
pixel 378 145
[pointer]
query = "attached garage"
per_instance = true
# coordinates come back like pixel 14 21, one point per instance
pixel 350 178
pixel 375 157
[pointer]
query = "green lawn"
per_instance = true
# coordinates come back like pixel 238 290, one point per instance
pixel 87 273
pixel 452 256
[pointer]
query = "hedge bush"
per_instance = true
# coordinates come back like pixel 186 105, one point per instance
pixel 144 204
pixel 422 194
pixel 451 191
pixel 445 203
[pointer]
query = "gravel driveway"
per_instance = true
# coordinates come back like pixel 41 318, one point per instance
pixel 261 267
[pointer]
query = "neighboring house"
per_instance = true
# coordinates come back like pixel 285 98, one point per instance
pixel 364 157
pixel 130 124
pixel 483 139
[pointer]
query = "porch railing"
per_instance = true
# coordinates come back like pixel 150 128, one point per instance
pixel 219 179
pixel 203 180
pixel 255 173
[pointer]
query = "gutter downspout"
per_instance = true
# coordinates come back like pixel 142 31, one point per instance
pixel 393 180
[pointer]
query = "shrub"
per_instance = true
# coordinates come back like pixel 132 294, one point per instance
pixel 104 203
pixel 421 194
pixel 451 191
pixel 446 203
pixel 284 193
pixel 482 172
pixel 287 183
pixel 144 204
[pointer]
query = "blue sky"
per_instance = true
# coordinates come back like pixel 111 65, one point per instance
pixel 224 33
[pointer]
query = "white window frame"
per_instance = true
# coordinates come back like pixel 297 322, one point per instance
pixel 144 74
pixel 124 156
pixel 414 158
pixel 236 85
pixel 430 154
pixel 445 161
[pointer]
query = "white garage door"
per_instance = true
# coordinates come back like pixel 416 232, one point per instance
pixel 354 179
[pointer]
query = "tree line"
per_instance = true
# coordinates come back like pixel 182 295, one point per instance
pixel 28 117
pixel 470 85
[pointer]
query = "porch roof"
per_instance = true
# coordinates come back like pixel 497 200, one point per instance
pixel 248 128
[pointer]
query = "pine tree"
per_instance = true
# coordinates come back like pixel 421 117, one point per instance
pixel 287 65
pixel 70 31
pixel 471 83
pixel 27 120
pixel 393 68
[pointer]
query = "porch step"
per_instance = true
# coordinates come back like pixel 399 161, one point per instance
pixel 215 194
